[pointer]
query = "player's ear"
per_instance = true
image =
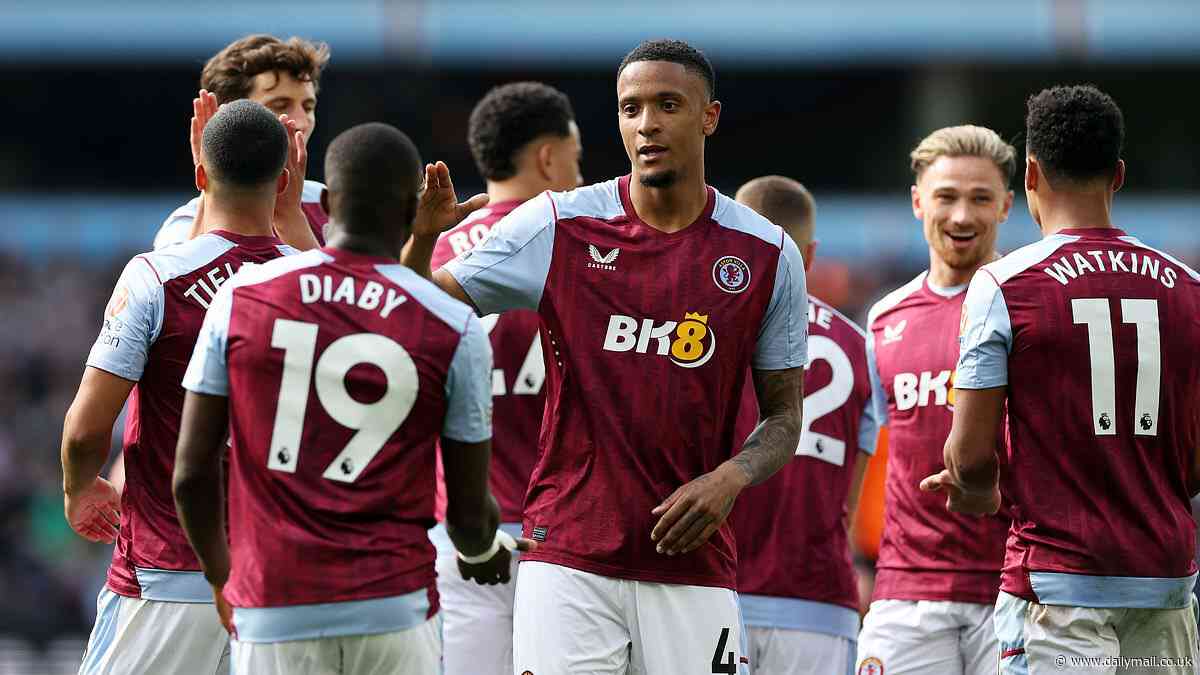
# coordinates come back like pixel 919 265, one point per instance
pixel 201 178
pixel 325 199
pixel 1119 176
pixel 809 254
pixel 544 159
pixel 1032 174
pixel 281 183
pixel 916 203
pixel 712 115
pixel 1007 207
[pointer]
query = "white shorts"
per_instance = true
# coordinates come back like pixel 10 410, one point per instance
pixel 477 621
pixel 782 651
pixel 134 635
pixel 927 637
pixel 415 651
pixel 1037 639
pixel 568 622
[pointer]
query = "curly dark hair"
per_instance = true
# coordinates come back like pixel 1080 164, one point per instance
pixel 1075 132
pixel 245 145
pixel 674 51
pixel 511 116
pixel 230 74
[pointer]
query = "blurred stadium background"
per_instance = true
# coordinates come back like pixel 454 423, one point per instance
pixel 93 156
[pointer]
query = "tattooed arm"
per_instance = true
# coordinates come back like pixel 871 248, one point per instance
pixel 694 512
pixel 773 442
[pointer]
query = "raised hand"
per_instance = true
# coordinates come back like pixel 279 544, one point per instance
pixel 289 220
pixel 438 208
pixel 297 166
pixel 95 512
pixel 204 106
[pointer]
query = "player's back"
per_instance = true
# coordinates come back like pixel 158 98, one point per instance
pixel 520 371
pixel 1103 411
pixel 150 330
pixel 341 368
pixel 792 530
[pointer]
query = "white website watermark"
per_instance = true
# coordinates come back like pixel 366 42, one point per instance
pixel 1123 662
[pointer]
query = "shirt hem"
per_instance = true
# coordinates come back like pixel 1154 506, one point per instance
pixel 628 574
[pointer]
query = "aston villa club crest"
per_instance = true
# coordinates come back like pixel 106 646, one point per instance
pixel 731 274
pixel 870 666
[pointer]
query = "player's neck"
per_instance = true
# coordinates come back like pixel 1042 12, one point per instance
pixel 671 208
pixel 515 189
pixel 239 216
pixel 379 246
pixel 945 276
pixel 1075 211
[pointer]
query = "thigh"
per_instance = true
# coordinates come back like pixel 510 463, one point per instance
pixel 477 622
pixel 1162 633
pixel 146 636
pixel 686 629
pixel 977 639
pixel 1040 639
pixel 780 651
pixel 322 656
pixel 566 621
pixel 415 651
pixel 909 637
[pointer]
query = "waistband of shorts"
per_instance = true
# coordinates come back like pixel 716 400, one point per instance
pixel 173 585
pixel 1085 590
pixel 768 611
pixel 332 619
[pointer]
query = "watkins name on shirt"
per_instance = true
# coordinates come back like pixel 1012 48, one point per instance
pixel 1069 267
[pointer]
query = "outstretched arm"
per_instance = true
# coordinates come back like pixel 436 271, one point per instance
pixel 694 511
pixel 972 474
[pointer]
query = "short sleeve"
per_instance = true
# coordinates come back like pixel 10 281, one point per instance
pixel 874 414
pixel 783 337
pixel 132 321
pixel 985 338
pixel 508 269
pixel 469 387
pixel 176 228
pixel 878 395
pixel 208 369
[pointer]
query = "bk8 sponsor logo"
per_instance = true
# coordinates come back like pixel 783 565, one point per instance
pixel 689 343
pixel 912 389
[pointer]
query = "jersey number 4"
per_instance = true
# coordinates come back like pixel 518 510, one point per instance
pixel 1094 312
pixel 373 423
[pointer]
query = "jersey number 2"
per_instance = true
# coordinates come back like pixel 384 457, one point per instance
pixel 825 400
pixel 373 423
pixel 1094 312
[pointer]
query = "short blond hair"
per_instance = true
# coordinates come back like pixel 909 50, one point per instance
pixel 966 140
pixel 783 201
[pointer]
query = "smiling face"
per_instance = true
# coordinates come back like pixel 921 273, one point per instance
pixel 961 201
pixel 664 114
